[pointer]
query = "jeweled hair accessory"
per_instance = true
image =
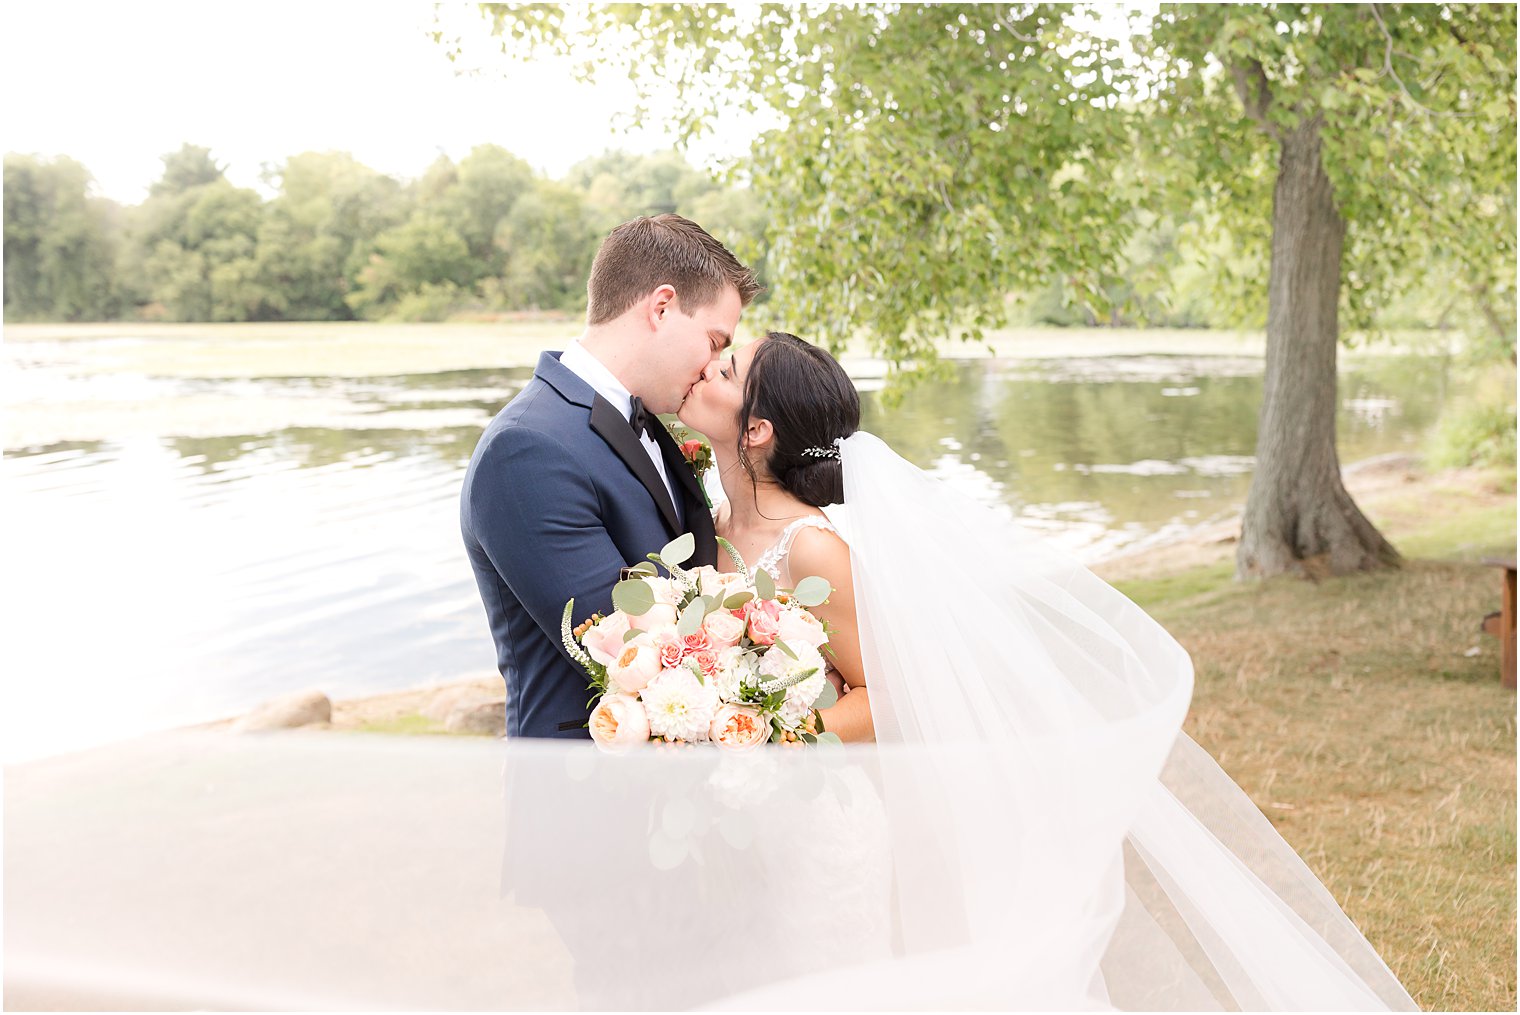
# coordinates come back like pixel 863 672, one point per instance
pixel 828 452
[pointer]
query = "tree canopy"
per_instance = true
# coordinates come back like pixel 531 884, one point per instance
pixel 933 158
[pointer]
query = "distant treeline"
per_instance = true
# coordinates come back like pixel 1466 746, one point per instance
pixel 486 235
pixel 338 241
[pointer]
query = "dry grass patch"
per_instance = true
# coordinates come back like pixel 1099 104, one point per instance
pixel 1353 715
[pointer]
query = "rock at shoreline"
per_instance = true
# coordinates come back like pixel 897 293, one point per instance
pixel 305 708
pixel 438 705
pixel 479 716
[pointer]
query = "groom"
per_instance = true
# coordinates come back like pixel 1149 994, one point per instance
pixel 576 478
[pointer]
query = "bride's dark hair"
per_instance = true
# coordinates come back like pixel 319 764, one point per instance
pixel 810 402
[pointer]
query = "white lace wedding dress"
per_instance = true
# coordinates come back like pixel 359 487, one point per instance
pixel 1031 831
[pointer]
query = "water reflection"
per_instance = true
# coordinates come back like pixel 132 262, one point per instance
pixel 1105 454
pixel 181 549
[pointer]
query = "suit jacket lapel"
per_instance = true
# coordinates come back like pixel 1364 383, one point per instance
pixel 698 515
pixel 612 426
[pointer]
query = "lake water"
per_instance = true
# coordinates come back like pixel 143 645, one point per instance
pixel 180 548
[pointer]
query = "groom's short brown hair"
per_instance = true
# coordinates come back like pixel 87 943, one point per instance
pixel 644 253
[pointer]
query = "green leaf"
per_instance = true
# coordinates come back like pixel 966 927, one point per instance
pixel 643 567
pixel 633 596
pixel 827 697
pixel 765 585
pixel 737 600
pixel 631 634
pixel 832 739
pixel 812 591
pixel 787 649
pixel 691 620
pixel 679 550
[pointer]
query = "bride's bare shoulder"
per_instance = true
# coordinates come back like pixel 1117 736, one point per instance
pixel 820 551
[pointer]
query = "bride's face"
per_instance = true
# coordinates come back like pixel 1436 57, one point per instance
pixel 712 408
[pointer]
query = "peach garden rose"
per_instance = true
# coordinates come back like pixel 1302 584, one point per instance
pixel 739 728
pixel 619 721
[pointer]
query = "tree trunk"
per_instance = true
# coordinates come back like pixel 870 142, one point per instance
pixel 1299 517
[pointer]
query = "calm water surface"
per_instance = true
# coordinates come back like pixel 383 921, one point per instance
pixel 200 545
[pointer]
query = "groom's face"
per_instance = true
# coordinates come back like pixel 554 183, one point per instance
pixel 687 343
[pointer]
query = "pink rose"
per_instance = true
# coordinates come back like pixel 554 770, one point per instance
pixel 798 626
pixel 707 659
pixel 696 642
pixel 691 449
pixel 658 615
pixel 739 728
pixel 723 629
pixel 764 618
pixel 604 642
pixel 635 666
pixel 619 722
pixel 671 652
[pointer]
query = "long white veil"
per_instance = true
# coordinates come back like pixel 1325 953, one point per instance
pixel 1031 831
pixel 975 632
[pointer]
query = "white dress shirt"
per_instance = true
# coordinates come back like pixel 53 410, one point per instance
pixel 588 368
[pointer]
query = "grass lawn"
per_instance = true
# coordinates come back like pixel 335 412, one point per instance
pixel 1354 715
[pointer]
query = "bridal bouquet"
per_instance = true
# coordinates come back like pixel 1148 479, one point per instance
pixel 704 656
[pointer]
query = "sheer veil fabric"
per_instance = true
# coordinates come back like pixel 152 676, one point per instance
pixel 976 633
pixel 1032 831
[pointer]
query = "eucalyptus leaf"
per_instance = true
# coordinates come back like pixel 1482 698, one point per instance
pixel 737 600
pixel 679 550
pixel 765 585
pixel 631 634
pixel 691 620
pixel 633 596
pixel 787 649
pixel 827 697
pixel 812 591
pixel 643 567
pixel 831 739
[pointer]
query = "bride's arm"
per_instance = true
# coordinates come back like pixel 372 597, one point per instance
pixel 822 553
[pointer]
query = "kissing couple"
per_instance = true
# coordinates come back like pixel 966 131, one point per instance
pixel 1040 831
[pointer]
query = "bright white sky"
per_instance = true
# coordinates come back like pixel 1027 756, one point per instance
pixel 117 84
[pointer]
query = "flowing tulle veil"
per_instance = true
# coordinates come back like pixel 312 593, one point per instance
pixel 1031 831
pixel 975 632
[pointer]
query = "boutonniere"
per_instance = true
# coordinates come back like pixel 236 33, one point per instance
pixel 697 452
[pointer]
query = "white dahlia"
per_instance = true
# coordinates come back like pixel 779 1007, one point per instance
pixel 679 705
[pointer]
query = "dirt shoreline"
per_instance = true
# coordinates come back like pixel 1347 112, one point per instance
pixel 1381 486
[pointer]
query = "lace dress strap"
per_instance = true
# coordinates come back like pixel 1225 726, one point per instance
pixel 774 559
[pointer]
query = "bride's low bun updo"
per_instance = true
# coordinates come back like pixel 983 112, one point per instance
pixel 810 403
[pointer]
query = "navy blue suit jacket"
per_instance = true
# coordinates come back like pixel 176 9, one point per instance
pixel 559 497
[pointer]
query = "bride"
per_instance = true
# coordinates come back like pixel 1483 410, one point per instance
pixel 1217 910
pixel 1015 819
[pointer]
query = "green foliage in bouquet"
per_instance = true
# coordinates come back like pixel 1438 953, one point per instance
pixel 633 596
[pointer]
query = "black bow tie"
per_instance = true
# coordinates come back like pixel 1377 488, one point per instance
pixel 641 419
